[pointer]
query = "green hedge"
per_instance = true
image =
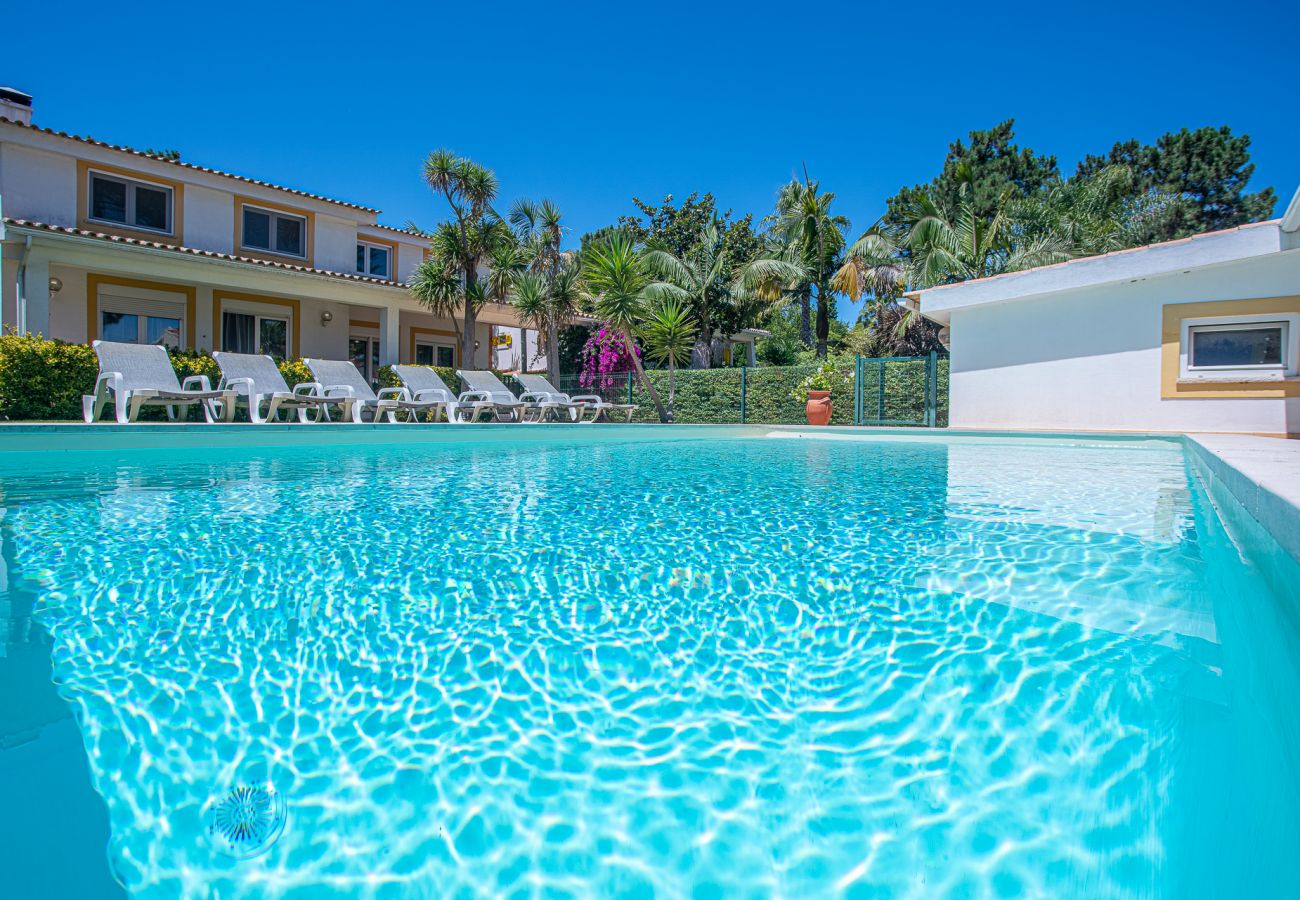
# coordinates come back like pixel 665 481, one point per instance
pixel 42 379
pixel 714 395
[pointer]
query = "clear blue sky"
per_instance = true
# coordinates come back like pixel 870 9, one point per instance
pixel 593 103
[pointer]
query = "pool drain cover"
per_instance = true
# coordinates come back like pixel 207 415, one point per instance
pixel 246 821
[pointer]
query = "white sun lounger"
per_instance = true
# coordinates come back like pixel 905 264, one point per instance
pixel 486 386
pixel 257 381
pixel 537 387
pixel 133 376
pixel 340 378
pixel 423 383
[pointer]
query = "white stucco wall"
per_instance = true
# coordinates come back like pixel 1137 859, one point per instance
pixel 1089 358
pixel 209 219
pixel 38 185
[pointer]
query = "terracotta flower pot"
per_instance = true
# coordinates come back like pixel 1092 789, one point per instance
pixel 818 408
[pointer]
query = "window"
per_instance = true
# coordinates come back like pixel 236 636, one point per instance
pixel 274 232
pixel 1256 345
pixel 136 328
pixel 434 355
pixel 135 204
pixel 1240 348
pixel 364 353
pixel 250 333
pixel 373 260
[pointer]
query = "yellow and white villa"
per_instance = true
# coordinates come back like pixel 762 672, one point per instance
pixel 103 241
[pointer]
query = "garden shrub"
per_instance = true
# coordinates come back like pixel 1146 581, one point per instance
pixel 44 379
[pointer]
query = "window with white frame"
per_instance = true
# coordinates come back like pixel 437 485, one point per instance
pixel 374 260
pixel 1240 348
pixel 249 332
pixel 135 320
pixel 124 201
pixel 274 232
pixel 428 353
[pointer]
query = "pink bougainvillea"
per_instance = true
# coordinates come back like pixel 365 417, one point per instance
pixel 604 356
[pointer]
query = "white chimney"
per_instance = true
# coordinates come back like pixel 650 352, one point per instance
pixel 15 105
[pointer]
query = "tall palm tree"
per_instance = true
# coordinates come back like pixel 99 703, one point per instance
pixel 540 231
pixel 701 275
pixel 810 236
pixel 460 246
pixel 669 334
pixel 929 245
pixel 619 280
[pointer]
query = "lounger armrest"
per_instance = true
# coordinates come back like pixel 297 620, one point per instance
pixel 395 393
pixel 435 394
pixel 471 396
pixel 587 398
pixel 310 388
pixel 200 380
pixel 537 397
pixel 229 384
pixel 339 390
pixel 110 380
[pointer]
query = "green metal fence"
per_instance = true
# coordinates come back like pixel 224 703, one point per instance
pixel 901 390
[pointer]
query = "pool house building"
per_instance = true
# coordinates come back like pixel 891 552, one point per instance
pixel 104 241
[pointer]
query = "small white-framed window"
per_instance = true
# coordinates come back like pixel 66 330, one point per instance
pixel 1240 348
pixel 274 232
pixel 247 332
pixel 428 353
pixel 375 260
pixel 115 200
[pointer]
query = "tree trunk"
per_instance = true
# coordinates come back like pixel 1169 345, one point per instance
pixel 640 376
pixel 467 337
pixel 823 321
pixel 702 352
pixel 672 389
pixel 805 316
pixel 553 354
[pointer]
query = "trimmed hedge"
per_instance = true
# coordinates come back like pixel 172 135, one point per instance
pixel 714 395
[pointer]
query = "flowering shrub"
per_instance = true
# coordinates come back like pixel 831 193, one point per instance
pixel 603 356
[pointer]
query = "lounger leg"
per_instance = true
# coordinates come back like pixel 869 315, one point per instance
pixel 128 412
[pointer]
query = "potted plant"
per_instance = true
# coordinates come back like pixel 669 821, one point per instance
pixel 815 391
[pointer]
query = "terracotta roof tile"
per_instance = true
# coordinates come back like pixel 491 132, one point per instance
pixel 186 165
pixel 194 251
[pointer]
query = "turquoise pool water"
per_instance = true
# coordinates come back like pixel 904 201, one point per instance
pixel 716 668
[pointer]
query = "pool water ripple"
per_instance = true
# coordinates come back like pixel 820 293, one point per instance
pixel 727 668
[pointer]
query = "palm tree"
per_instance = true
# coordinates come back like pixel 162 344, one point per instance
pixel 618 280
pixel 715 282
pixel 669 334
pixel 461 245
pixel 809 236
pixel 700 274
pixel 929 245
pixel 539 230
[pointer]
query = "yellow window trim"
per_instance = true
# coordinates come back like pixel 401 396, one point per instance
pixel 432 332
pixel 267 255
pixel 175 236
pixel 1172 316
pixel 93 283
pixel 293 306
pixel 360 323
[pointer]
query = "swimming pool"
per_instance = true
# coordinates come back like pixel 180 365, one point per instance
pixel 725 666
